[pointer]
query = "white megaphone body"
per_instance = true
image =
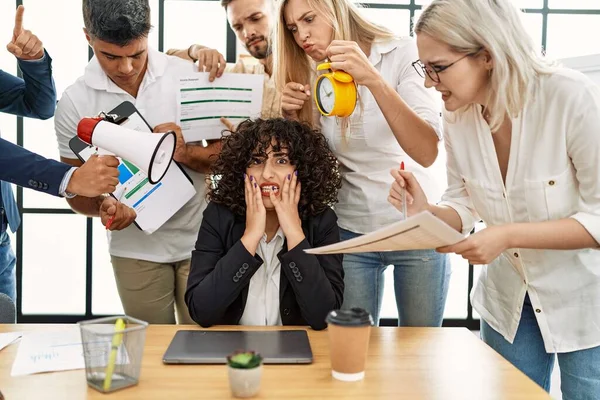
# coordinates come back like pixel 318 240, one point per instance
pixel 150 152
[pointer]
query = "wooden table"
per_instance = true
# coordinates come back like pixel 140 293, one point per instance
pixel 403 363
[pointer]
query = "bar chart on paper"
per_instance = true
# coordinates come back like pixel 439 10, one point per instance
pixel 126 171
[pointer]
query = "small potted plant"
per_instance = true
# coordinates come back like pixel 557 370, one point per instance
pixel 245 371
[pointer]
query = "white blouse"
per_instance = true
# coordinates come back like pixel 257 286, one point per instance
pixel 262 303
pixel 553 173
pixel 369 149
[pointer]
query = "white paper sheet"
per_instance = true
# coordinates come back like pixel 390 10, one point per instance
pixel 421 231
pixel 45 351
pixel 202 103
pixel 8 338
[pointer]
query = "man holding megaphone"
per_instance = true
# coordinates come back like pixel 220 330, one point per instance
pixel 150 269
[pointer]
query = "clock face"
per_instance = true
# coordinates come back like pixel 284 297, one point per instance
pixel 325 95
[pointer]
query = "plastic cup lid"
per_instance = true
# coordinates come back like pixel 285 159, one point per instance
pixel 351 317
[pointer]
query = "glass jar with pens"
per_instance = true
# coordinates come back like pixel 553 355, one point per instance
pixel 112 350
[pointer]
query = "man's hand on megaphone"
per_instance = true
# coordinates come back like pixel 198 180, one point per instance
pixel 180 146
pixel 121 215
pixel 96 176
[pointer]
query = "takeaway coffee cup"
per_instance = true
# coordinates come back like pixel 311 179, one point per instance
pixel 349 332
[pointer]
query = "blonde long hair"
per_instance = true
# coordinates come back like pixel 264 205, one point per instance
pixel 494 25
pixel 292 64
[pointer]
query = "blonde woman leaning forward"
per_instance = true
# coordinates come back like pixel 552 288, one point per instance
pixel 523 147
pixel 397 120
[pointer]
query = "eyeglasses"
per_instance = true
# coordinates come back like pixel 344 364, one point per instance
pixel 433 72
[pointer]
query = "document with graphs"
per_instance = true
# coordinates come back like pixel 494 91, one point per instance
pixel 421 231
pixel 153 204
pixel 202 104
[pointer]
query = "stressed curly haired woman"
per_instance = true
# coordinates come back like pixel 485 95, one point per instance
pixel 275 182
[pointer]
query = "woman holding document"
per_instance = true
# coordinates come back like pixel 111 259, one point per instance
pixel 276 182
pixel 395 120
pixel 523 148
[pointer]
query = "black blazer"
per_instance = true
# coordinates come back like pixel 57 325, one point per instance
pixel 310 286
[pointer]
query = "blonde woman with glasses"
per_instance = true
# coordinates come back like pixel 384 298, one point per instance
pixel 523 147
pixel 396 121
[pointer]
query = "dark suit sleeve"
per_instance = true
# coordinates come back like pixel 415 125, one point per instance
pixel 33 96
pixel 25 168
pixel 318 281
pixel 217 274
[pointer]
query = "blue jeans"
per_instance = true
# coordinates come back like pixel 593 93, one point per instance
pixel 421 279
pixel 8 278
pixel 579 370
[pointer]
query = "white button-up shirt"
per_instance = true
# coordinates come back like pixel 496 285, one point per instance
pixel 262 304
pixel 157 102
pixel 370 149
pixel 553 173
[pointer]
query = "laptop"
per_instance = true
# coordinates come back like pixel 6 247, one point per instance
pixel 213 347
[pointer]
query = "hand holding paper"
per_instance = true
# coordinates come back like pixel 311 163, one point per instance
pixel 180 154
pixel 482 247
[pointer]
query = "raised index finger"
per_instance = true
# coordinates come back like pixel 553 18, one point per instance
pixel 19 20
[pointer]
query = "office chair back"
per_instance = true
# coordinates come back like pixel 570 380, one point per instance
pixel 8 314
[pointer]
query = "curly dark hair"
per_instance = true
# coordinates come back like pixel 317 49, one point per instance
pixel 307 150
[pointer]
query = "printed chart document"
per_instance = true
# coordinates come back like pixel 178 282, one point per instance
pixel 62 350
pixel 154 204
pixel 421 231
pixel 202 103
pixel 8 338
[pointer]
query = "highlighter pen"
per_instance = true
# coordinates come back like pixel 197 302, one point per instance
pixel 116 342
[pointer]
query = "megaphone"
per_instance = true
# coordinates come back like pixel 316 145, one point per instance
pixel 150 152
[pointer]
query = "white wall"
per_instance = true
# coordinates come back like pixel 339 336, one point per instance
pixel 589 65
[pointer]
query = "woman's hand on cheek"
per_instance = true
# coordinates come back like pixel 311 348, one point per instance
pixel 286 207
pixel 255 214
pixel 349 57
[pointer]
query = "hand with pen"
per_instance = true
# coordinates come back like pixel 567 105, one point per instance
pixel 116 215
pixel 406 186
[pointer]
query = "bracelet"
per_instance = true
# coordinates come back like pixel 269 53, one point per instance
pixel 190 55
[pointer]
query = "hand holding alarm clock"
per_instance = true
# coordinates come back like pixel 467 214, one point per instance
pixel 335 92
pixel 335 95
